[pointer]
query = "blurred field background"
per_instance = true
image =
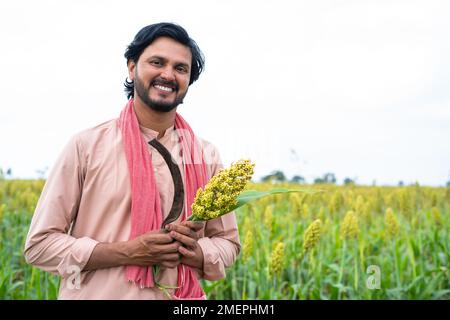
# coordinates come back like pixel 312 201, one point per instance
pixel 346 242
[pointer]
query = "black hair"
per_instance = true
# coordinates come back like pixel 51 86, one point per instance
pixel 149 34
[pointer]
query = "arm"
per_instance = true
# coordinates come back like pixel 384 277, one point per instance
pixel 51 248
pixel 155 247
pixel 48 245
pixel 220 246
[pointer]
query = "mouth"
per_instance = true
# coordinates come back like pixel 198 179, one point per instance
pixel 164 88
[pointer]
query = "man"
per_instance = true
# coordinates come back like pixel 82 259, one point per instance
pixel 112 218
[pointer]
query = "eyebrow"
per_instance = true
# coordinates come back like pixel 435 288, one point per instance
pixel 165 60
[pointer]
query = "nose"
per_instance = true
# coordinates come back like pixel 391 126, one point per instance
pixel 168 74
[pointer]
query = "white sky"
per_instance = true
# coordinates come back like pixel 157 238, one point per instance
pixel 357 88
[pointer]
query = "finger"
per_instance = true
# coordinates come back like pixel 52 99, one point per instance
pixel 185 252
pixel 156 238
pixel 170 257
pixel 187 241
pixel 162 238
pixel 170 260
pixel 194 225
pixel 182 230
pixel 169 248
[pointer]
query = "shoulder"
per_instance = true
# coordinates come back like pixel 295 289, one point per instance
pixel 98 131
pixel 95 141
pixel 90 137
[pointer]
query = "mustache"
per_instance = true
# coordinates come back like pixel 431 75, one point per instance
pixel 163 82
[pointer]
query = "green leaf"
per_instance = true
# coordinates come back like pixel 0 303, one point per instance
pixel 441 294
pixel 252 195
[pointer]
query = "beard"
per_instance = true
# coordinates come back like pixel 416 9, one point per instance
pixel 157 105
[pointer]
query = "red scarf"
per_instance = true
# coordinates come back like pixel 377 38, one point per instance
pixel 146 212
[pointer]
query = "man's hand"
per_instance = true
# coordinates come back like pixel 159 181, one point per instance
pixel 186 233
pixel 167 249
pixel 155 247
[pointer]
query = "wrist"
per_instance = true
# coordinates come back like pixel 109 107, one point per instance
pixel 125 252
pixel 108 255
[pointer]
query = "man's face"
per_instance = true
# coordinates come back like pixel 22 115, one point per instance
pixel 161 75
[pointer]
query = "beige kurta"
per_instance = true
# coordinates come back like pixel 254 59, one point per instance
pixel 87 200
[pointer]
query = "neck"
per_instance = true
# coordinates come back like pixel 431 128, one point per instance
pixel 157 121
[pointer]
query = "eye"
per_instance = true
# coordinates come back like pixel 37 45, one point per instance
pixel 182 69
pixel 155 62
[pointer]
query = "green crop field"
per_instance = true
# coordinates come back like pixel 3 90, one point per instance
pixel 346 242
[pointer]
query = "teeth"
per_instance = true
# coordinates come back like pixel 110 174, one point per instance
pixel 163 88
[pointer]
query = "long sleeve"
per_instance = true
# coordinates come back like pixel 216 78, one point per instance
pixel 220 244
pixel 49 245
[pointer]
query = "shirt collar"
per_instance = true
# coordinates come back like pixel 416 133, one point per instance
pixel 152 134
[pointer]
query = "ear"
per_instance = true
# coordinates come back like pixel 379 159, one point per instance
pixel 131 69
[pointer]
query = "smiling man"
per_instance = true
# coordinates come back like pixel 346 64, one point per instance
pixel 161 75
pixel 112 218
